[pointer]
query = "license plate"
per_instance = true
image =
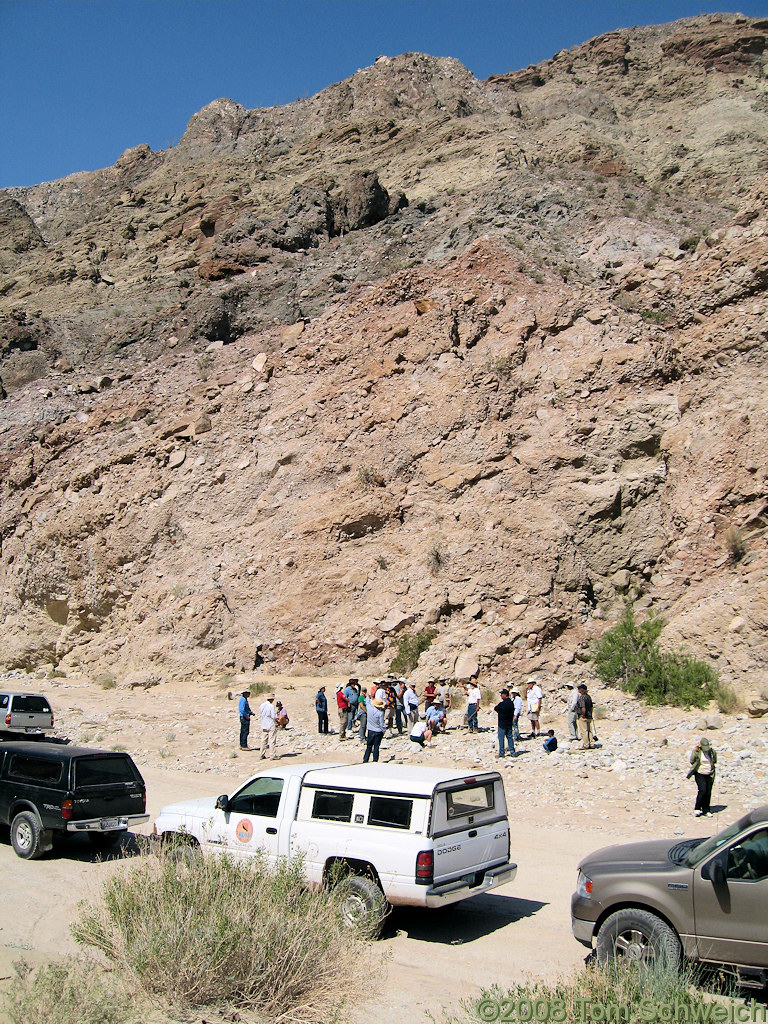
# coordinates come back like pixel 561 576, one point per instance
pixel 107 824
pixel 31 728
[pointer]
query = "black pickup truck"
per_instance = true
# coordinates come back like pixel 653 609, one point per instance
pixel 52 789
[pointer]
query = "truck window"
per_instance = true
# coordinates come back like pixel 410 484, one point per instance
pixel 35 769
pixel 330 806
pixel 260 797
pixel 104 771
pixel 390 812
pixel 31 704
pixel 463 802
pixel 748 859
pixel 3 700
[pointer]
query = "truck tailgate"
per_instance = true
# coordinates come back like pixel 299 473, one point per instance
pixel 469 827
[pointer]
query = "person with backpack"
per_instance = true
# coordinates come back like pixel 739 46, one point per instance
pixel 584 709
pixel 703 761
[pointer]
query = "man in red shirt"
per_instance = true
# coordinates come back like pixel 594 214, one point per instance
pixel 343 707
pixel 429 694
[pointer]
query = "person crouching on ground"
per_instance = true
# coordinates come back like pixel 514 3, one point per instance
pixel 421 735
pixel 703 761
pixel 436 718
pixel 375 710
pixel 282 716
pixel 550 743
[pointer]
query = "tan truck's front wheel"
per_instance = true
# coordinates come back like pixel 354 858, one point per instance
pixel 637 936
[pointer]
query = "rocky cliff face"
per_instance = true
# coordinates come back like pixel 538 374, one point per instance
pixel 419 350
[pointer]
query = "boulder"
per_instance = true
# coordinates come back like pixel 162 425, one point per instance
pixel 466 666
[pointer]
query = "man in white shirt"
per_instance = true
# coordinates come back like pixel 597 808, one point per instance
pixel 268 716
pixel 517 700
pixel 534 698
pixel 411 703
pixel 473 704
pixel 572 713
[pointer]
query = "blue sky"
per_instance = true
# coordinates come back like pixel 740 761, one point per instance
pixel 83 80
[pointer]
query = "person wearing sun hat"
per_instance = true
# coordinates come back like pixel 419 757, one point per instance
pixel 375 710
pixel 245 713
pixel 505 710
pixel 268 716
pixel 703 761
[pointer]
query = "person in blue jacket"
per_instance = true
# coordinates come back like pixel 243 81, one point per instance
pixel 321 707
pixel 244 710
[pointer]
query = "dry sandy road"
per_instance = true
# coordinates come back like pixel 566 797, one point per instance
pixel 436 958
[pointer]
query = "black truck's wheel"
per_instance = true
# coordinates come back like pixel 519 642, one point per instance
pixel 26 832
pixel 638 936
pixel 363 905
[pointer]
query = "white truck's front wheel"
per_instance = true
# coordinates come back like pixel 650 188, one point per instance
pixel 363 905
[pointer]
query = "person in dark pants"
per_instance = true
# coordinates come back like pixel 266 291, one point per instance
pixel 244 710
pixel 505 710
pixel 703 760
pixel 321 707
pixel 375 709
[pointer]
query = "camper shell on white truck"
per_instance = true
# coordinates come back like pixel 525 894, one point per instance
pixel 394 835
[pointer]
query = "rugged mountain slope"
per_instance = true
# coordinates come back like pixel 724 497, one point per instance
pixel 487 356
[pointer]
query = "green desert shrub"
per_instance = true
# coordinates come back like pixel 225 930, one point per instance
pixel 410 647
pixel 629 656
pixel 215 931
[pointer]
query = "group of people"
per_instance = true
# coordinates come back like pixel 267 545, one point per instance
pixel 390 703
pixel 393 703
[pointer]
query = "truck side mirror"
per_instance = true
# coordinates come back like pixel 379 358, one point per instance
pixel 222 802
pixel 717 872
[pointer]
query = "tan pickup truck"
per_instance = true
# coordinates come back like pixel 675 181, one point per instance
pixel 705 899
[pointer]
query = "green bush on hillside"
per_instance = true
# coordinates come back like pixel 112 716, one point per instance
pixel 410 648
pixel 629 655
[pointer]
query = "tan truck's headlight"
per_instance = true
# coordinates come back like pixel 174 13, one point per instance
pixel 584 886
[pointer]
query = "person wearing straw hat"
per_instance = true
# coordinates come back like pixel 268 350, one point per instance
pixel 375 709
pixel 703 761
pixel 268 716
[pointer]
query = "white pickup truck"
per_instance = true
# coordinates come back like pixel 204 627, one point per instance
pixel 389 834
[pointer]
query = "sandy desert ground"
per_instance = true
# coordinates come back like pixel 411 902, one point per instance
pixel 184 740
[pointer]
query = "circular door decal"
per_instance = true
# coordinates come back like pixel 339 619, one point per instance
pixel 244 831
